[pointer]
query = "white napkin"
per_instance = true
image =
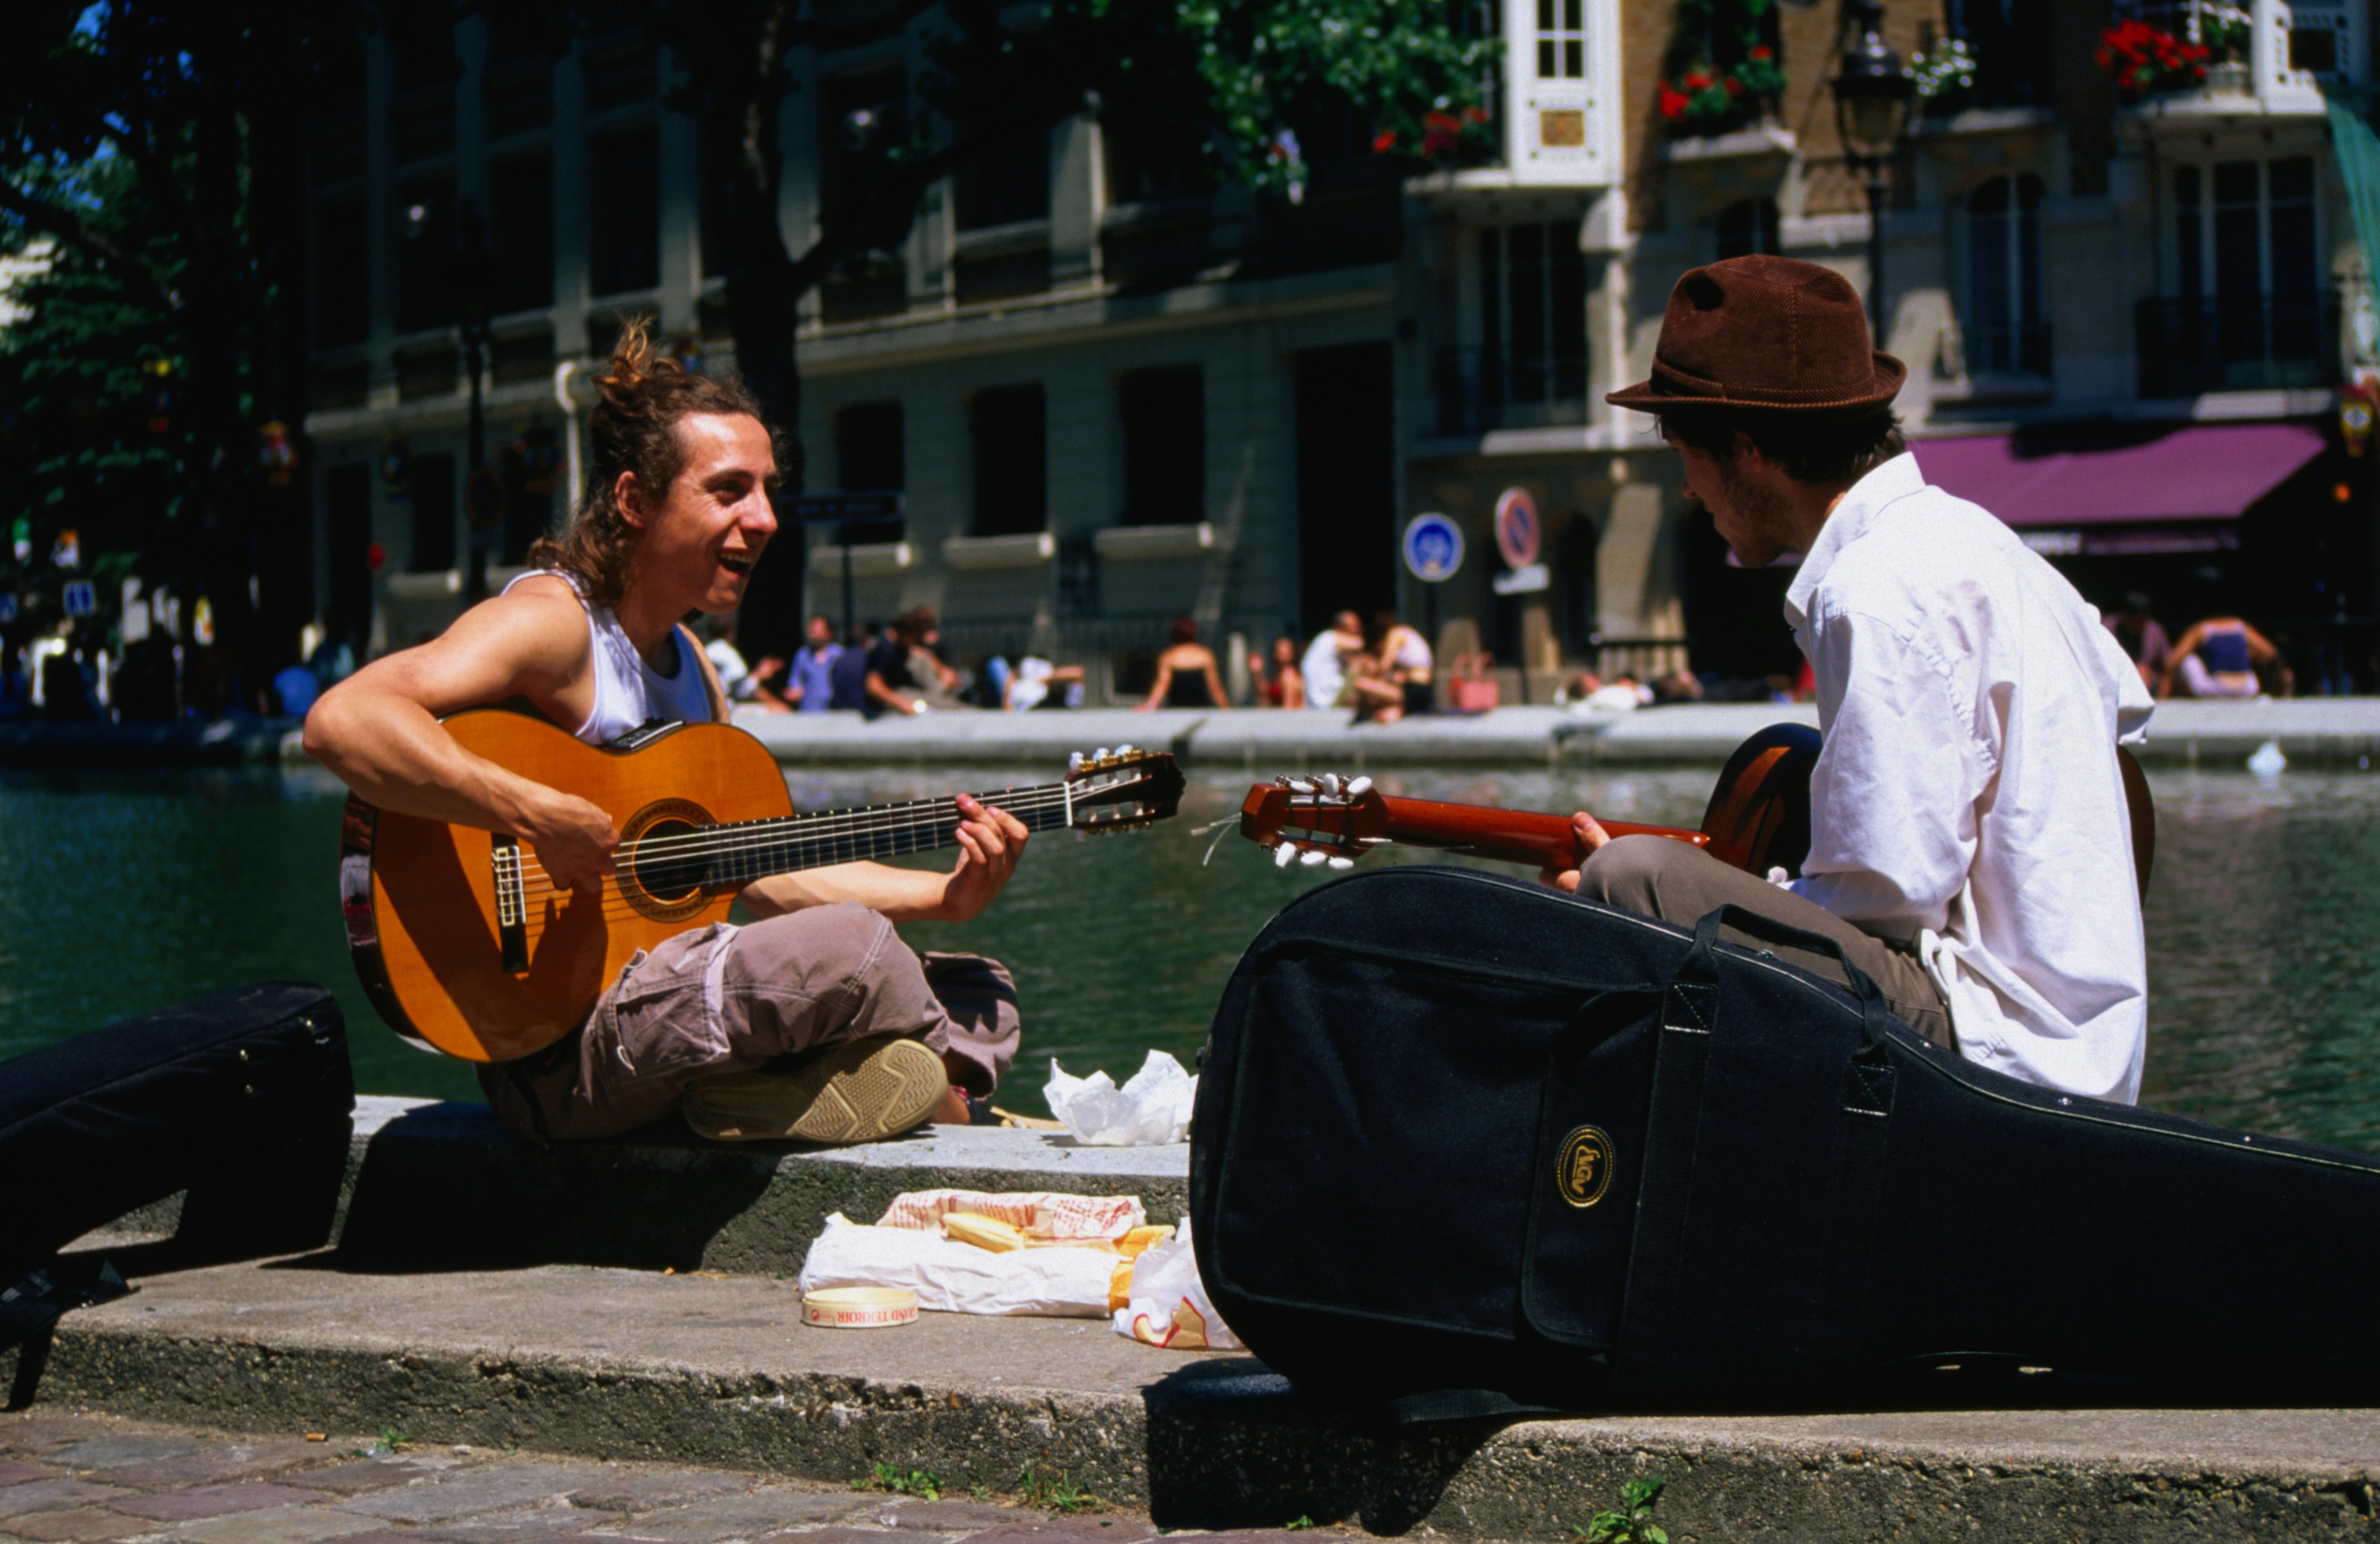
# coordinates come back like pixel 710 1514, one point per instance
pixel 1153 1109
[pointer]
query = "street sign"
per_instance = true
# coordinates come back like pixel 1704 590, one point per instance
pixel 1517 530
pixel 79 599
pixel 1433 547
pixel 864 508
pixel 1527 580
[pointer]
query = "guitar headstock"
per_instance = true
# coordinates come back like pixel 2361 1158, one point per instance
pixel 1318 819
pixel 1115 790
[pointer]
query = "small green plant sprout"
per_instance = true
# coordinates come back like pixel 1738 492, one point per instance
pixel 923 1484
pixel 980 1492
pixel 1298 1523
pixel 391 1439
pixel 1633 1524
pixel 1055 1492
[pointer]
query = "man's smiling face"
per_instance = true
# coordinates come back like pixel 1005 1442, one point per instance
pixel 707 533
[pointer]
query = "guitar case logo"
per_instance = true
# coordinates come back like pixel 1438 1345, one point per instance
pixel 1584 1172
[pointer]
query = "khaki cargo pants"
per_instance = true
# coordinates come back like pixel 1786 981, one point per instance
pixel 1676 881
pixel 724 999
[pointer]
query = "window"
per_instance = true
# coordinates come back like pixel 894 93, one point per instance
pixel 423 108
pixel 521 232
pixel 2007 39
pixel 2004 329
pixel 867 459
pixel 1012 472
pixel 851 145
pixel 342 273
pixel 1748 226
pixel 1007 184
pixel 518 85
pixel 624 250
pixel 1164 445
pixel 432 483
pixel 2244 232
pixel 425 253
pixel 1533 313
pixel 1561 40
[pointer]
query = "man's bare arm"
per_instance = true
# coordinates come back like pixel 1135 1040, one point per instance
pixel 990 841
pixel 377 730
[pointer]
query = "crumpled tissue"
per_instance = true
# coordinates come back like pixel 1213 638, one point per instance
pixel 949 1277
pixel 1170 1307
pixel 1153 1108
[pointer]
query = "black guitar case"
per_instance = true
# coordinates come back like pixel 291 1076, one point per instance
pixel 243 1097
pixel 1458 1133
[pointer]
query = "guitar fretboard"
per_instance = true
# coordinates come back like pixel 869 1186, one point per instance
pixel 730 856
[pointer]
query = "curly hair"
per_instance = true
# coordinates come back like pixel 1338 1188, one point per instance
pixel 632 429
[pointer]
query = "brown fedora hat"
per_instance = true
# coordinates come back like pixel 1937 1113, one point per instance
pixel 1770 333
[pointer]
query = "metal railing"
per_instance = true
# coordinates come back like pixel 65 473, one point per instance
pixel 1480 389
pixel 2237 342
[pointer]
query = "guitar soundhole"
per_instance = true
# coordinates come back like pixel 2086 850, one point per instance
pixel 667 863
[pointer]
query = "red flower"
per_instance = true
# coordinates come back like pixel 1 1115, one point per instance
pixel 1731 85
pixel 1384 142
pixel 1697 80
pixel 1474 114
pixel 1674 103
pixel 1760 51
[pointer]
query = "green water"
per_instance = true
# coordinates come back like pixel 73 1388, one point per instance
pixel 120 892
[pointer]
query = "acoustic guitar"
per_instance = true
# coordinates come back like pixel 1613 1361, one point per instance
pixel 464 943
pixel 1758 819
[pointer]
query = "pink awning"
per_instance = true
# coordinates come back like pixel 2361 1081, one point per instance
pixel 2204 472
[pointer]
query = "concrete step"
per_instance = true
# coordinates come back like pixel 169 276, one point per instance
pixel 615 1364
pixel 444 1186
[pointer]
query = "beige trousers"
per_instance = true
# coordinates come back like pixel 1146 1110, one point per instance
pixel 723 999
pixel 1678 882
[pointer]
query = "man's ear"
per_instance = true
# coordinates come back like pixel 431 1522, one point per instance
pixel 629 499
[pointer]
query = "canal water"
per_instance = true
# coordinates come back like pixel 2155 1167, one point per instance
pixel 123 892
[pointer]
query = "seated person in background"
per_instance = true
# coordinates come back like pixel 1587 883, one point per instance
pixel 294 689
pixel 1035 683
pixel 1371 689
pixel 1187 676
pixel 1677 686
pixel 1281 686
pixel 1325 664
pixel 810 687
pixel 814 1020
pixel 2220 658
pixel 893 683
pixel 847 676
pixel 742 684
pixel 2143 639
pixel 1405 656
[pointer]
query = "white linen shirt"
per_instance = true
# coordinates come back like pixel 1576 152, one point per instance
pixel 1968 796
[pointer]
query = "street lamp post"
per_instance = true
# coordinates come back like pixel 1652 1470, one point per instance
pixel 482 491
pixel 1872 94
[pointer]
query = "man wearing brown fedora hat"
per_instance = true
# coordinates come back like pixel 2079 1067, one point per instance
pixel 1970 845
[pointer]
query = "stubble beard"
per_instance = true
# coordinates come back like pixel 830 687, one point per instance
pixel 1761 514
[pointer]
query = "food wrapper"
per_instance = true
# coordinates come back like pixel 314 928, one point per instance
pixel 1042 1216
pixel 951 1277
pixel 1168 1306
pixel 1151 1110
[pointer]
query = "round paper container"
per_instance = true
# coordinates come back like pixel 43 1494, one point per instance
pixel 859 1307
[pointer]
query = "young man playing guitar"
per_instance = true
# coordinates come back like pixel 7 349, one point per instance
pixel 676 512
pixel 1970 845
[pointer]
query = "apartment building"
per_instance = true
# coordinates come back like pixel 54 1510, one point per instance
pixel 1110 397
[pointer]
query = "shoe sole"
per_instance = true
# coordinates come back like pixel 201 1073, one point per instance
pixel 855 1093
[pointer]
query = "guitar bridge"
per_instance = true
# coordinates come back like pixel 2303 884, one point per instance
pixel 512 908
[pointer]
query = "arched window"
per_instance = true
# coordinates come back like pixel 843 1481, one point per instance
pixel 2004 329
pixel 1746 226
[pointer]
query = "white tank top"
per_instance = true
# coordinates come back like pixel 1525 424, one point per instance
pixel 629 691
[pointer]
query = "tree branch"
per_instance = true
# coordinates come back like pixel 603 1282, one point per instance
pixel 123 265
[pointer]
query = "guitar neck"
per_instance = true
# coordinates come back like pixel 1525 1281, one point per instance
pixel 1505 836
pixel 734 856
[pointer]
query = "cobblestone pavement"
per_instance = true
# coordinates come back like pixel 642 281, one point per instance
pixel 68 1478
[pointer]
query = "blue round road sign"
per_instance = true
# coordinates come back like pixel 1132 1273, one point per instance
pixel 1433 547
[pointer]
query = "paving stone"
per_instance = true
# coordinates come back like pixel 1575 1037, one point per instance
pixel 16 1471
pixel 43 1433
pixel 1044 1530
pixel 216 1464
pixel 851 1536
pixel 543 1521
pixel 640 1491
pixel 483 1488
pixel 119 1448
pixel 951 1517
pixel 764 1513
pixel 81 1523
pixel 212 1501
pixel 40 1495
pixel 282 1524
pixel 358 1476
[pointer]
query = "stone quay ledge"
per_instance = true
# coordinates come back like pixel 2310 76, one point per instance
pixel 629 1300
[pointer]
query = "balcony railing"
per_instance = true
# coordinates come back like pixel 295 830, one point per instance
pixel 2234 343
pixel 1480 389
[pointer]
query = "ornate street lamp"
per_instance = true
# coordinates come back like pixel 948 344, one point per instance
pixel 466 280
pixel 1872 96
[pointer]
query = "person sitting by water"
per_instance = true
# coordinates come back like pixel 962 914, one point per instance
pixel 813 1021
pixel 1325 664
pixel 812 687
pixel 1970 844
pixel 847 676
pixel 1187 676
pixel 1035 683
pixel 2143 639
pixel 892 682
pixel 743 684
pixel 2220 657
pixel 1282 686
pixel 1405 656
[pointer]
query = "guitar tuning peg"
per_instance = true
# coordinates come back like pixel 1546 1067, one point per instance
pixel 1299 785
pixel 1123 750
pixel 1100 755
pixel 1075 762
pixel 1330 784
pixel 1358 785
pixel 1342 864
pixel 1313 856
pixel 1283 856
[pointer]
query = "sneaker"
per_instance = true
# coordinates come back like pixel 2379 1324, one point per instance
pixel 851 1093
